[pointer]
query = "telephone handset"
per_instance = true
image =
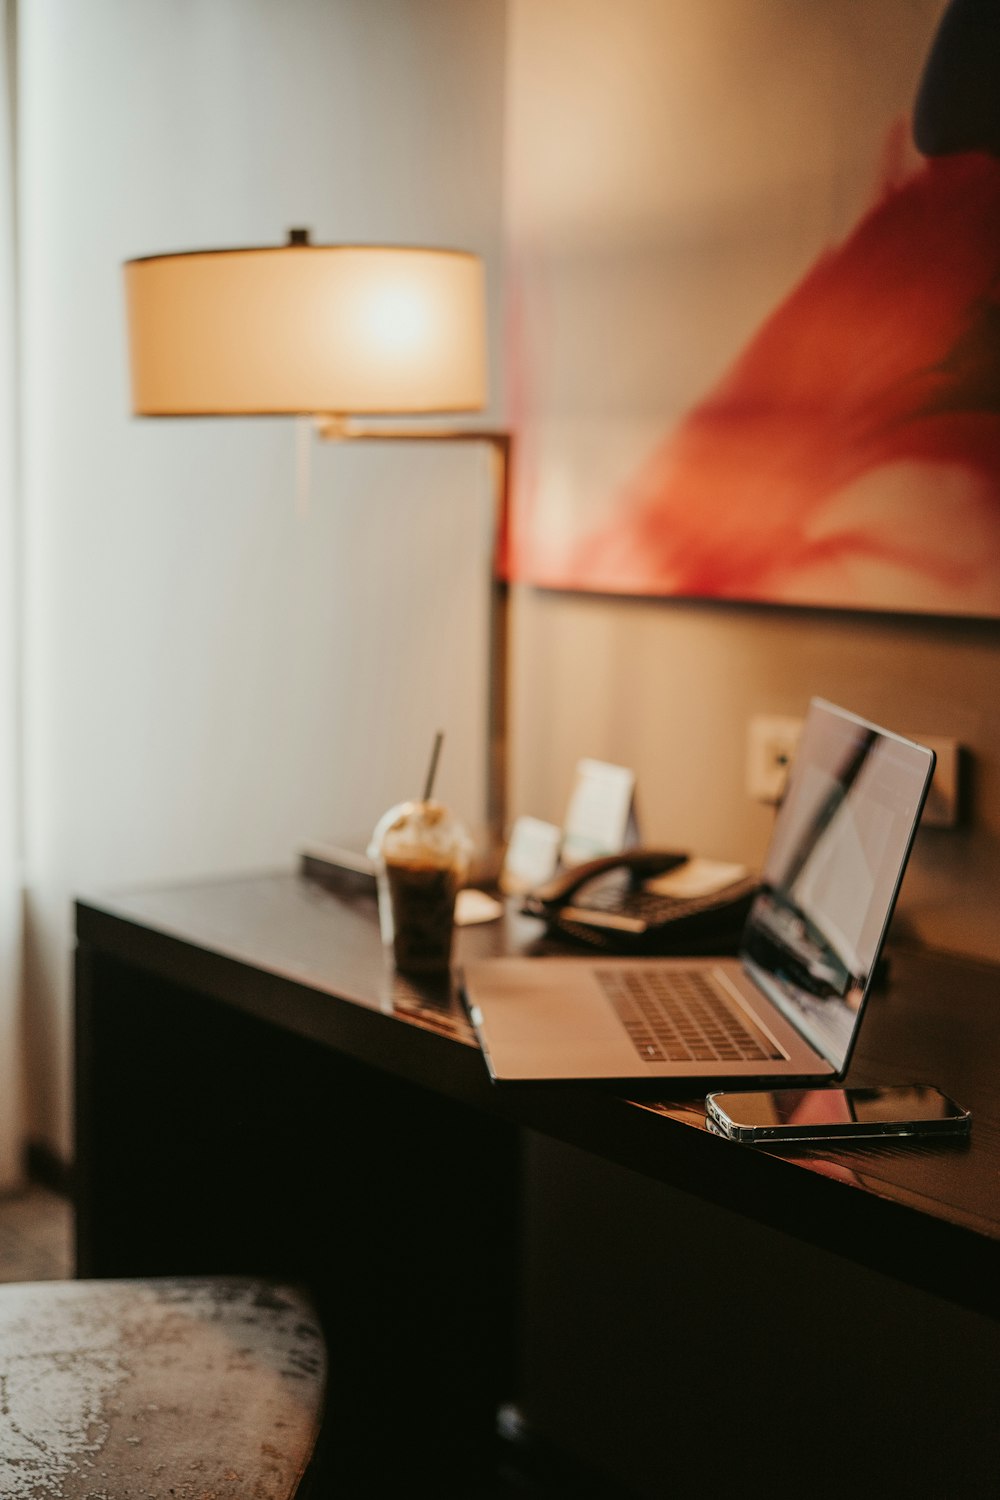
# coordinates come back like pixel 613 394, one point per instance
pixel 605 903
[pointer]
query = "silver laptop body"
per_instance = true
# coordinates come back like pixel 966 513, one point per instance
pixel 790 1005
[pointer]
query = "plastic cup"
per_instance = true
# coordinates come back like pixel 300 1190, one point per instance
pixel 421 854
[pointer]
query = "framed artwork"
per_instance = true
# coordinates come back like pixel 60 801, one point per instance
pixel 754 339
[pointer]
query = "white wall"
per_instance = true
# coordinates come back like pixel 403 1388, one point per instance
pixel 212 679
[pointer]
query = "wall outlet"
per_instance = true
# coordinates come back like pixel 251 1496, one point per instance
pixel 770 747
pixel 942 808
pixel 772 742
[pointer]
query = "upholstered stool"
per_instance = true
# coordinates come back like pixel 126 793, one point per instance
pixel 181 1389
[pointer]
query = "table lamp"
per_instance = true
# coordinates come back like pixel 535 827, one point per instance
pixel 334 333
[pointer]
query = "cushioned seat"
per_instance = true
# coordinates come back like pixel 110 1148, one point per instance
pixel 182 1388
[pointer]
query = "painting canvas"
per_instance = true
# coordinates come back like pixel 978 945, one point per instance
pixel 754 343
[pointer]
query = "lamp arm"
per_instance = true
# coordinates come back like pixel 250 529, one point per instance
pixel 343 429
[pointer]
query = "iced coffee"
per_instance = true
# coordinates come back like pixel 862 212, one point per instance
pixel 421 854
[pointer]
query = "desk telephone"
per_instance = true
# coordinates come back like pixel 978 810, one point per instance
pixel 606 904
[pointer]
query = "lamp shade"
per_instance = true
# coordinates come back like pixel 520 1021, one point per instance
pixel 307 329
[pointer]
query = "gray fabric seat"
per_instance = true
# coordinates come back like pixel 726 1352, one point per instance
pixel 180 1388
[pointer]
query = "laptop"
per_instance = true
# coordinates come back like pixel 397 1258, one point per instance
pixel 790 1004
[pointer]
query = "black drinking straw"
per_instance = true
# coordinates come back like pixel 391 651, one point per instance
pixel 432 768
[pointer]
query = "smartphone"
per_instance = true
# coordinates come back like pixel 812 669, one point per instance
pixel 835 1114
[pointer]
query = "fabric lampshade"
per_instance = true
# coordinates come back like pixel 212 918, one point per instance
pixel 307 329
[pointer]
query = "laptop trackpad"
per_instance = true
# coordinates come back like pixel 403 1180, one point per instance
pixel 524 1012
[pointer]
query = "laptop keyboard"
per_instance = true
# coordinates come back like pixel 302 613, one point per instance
pixel 680 1016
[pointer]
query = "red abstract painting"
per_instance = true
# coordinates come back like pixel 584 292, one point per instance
pixel 850 455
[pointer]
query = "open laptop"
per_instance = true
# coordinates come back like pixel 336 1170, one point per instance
pixel 790 1005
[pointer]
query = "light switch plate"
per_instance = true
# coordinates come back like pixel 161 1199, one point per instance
pixel 770 747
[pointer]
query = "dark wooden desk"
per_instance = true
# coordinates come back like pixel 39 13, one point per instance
pixel 256 1090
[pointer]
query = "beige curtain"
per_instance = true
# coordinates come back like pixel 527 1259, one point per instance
pixel 11 1092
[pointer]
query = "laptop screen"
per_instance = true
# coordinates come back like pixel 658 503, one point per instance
pixel 839 846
